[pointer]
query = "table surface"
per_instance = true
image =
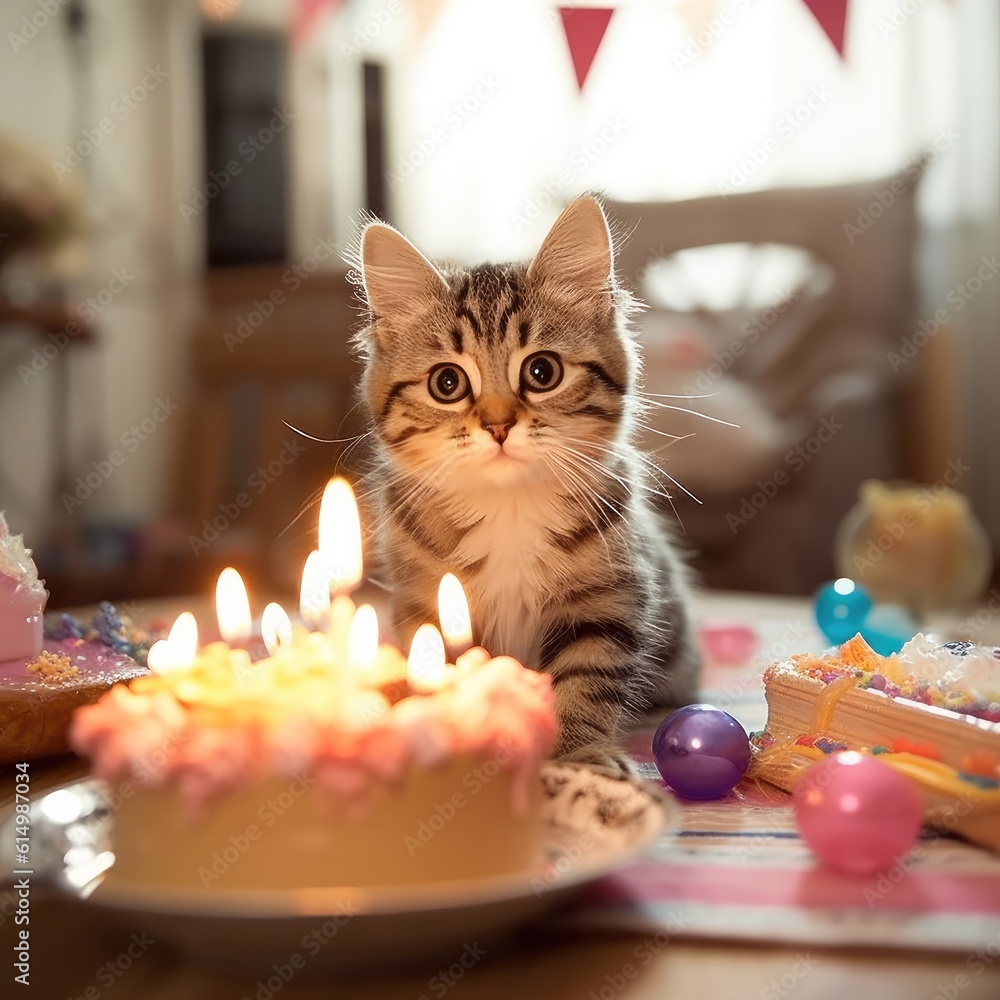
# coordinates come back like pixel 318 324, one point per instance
pixel 71 960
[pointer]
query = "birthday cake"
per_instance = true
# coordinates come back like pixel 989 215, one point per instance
pixel 46 674
pixel 932 712
pixel 293 772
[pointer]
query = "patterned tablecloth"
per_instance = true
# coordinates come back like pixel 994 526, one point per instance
pixel 738 869
pixel 731 906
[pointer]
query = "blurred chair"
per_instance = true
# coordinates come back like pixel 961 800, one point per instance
pixel 782 316
pixel 269 350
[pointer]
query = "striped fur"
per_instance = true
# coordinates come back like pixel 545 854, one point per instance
pixel 566 560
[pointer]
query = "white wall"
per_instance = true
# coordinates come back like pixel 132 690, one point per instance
pixel 146 165
pixel 131 179
pixel 150 161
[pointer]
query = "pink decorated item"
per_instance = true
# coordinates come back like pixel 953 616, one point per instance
pixel 857 814
pixel 727 643
pixel 22 598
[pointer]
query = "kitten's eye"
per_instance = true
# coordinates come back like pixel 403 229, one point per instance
pixel 541 372
pixel 448 383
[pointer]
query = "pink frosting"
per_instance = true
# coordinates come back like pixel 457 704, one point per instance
pixel 95 662
pixel 20 620
pixel 500 711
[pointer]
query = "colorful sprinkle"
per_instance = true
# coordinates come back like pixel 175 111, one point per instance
pixel 108 624
pixel 107 627
pixel 981 763
pixel 892 677
pixel 65 627
pixel 979 780
pixel 928 750
pixel 960 647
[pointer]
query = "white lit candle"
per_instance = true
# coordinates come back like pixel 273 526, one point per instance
pixel 232 607
pixel 314 594
pixel 453 613
pixel 275 627
pixel 362 643
pixel 340 535
pixel 179 649
pixel 340 554
pixel 426 669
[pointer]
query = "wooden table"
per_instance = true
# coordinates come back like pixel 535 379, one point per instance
pixel 71 957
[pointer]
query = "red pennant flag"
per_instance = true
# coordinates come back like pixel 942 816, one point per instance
pixel 306 15
pixel 584 28
pixel 832 17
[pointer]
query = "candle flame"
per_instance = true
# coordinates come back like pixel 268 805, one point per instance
pixel 232 606
pixel 179 649
pixel 425 666
pixel 314 594
pixel 159 658
pixel 275 627
pixel 362 638
pixel 340 535
pixel 453 613
pixel 183 636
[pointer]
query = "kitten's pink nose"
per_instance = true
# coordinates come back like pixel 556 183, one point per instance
pixel 499 431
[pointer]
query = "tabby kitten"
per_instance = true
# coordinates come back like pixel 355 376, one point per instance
pixel 505 401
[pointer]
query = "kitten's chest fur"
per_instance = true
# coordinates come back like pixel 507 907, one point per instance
pixel 510 544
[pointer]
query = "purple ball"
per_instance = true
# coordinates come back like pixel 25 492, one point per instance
pixel 701 751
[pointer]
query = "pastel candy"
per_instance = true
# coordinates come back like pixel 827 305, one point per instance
pixel 727 643
pixel 841 608
pixel 857 814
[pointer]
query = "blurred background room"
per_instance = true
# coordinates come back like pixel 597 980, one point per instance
pixel 806 192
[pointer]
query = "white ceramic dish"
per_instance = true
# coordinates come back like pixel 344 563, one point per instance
pixel 595 826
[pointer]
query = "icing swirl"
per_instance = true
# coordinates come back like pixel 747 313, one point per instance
pixel 224 722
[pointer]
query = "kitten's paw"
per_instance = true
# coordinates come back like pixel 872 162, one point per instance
pixel 606 759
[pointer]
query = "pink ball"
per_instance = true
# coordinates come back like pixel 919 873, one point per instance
pixel 727 643
pixel 856 813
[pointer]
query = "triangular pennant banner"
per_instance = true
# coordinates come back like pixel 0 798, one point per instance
pixel 306 15
pixel 832 17
pixel 584 28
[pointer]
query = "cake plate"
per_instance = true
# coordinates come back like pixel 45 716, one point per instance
pixel 594 825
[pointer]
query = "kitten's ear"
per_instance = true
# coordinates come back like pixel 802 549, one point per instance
pixel 577 253
pixel 396 274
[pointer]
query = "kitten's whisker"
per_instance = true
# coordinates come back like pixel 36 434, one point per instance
pixel 420 483
pixel 588 490
pixel 312 437
pixel 651 465
pixel 563 440
pixel 694 413
pixel 676 395
pixel 582 472
pixel 626 485
pixel 347 415
pixel 663 447
pixel 347 451
pixel 593 463
pixel 682 487
pixel 667 434
pixel 673 507
pixel 305 507
pixel 556 466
